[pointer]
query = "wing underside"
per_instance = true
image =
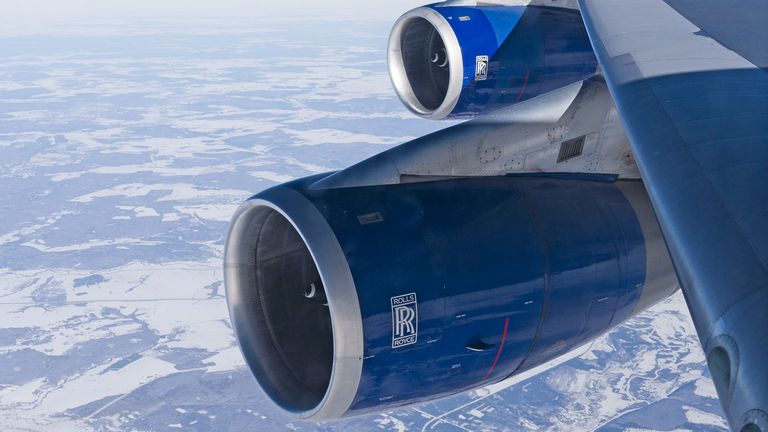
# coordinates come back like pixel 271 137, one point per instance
pixel 688 79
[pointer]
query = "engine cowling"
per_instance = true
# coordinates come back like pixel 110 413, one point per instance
pixel 349 300
pixel 448 60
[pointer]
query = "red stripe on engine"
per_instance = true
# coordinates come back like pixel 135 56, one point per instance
pixel 501 347
pixel 522 89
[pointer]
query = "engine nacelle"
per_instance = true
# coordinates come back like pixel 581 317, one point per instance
pixel 449 60
pixel 349 300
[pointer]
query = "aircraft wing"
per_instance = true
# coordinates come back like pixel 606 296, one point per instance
pixel 689 80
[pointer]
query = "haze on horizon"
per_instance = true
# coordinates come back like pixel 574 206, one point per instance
pixel 44 11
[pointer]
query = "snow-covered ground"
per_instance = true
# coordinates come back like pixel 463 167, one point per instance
pixel 125 148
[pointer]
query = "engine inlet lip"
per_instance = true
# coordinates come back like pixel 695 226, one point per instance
pixel 346 318
pixel 396 66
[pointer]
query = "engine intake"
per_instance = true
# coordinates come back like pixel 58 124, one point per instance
pixel 422 64
pixel 275 272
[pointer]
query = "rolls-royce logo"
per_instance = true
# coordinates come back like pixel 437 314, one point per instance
pixel 405 320
pixel 481 68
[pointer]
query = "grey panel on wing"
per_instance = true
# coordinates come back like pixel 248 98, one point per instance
pixel 737 24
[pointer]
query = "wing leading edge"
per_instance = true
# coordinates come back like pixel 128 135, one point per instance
pixel 695 107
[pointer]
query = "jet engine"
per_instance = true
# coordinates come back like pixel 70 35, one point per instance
pixel 450 60
pixel 353 299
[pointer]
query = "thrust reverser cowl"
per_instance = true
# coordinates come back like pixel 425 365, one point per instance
pixel 454 61
pixel 351 300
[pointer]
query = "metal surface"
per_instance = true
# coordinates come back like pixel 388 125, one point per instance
pixel 660 278
pixel 738 25
pixel 696 112
pixel 497 56
pixel 522 138
pixel 503 274
pixel 567 4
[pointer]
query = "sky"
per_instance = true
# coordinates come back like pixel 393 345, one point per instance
pixel 57 10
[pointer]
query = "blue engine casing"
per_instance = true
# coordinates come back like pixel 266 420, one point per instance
pixel 354 299
pixel 452 61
